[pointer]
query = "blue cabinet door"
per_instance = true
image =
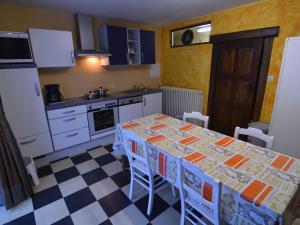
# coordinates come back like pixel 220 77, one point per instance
pixel 117 45
pixel 147 46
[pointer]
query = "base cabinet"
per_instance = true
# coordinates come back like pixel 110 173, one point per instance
pixel 152 104
pixel 68 126
pixel 130 112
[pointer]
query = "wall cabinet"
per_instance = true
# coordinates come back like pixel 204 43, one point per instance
pixel 147 47
pixel 128 46
pixel 52 48
pixel 114 39
pixel 152 104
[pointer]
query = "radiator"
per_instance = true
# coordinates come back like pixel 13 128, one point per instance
pixel 176 101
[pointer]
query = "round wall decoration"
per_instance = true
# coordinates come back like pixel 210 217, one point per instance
pixel 187 37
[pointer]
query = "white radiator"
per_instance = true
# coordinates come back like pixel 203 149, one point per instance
pixel 176 101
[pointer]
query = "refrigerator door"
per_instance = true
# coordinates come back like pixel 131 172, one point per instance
pixel 23 101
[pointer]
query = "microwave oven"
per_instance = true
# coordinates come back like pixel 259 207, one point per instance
pixel 15 48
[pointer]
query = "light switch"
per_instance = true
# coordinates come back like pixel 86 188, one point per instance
pixel 270 78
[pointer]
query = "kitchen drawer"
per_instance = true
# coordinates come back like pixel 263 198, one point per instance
pixel 69 111
pixel 35 145
pixel 71 138
pixel 68 123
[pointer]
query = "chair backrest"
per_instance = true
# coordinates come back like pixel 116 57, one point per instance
pixel 136 149
pixel 196 115
pixel 202 188
pixel 256 133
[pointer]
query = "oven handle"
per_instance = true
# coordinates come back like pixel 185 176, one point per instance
pixel 101 109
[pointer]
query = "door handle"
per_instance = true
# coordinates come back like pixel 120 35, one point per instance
pixel 27 142
pixel 37 89
pixel 71 111
pixel 72 57
pixel 71 119
pixel 72 135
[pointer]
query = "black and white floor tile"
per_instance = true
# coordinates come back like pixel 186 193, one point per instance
pixel 91 189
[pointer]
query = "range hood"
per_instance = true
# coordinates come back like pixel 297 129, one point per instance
pixel 85 37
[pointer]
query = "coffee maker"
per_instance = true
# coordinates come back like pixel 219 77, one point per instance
pixel 53 94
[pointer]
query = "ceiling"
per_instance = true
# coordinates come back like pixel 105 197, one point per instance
pixel 143 11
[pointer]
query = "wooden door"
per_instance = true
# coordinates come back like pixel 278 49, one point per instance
pixel 237 68
pixel 147 47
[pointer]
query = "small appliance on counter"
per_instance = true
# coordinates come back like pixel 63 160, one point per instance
pixel 96 94
pixel 53 94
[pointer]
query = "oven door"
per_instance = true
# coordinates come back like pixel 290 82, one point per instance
pixel 102 120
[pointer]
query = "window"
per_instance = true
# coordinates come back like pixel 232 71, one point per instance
pixel 192 35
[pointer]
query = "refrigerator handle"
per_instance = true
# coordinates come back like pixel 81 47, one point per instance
pixel 37 90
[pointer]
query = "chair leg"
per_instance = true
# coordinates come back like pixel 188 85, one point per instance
pixel 123 158
pixel 32 171
pixel 173 191
pixel 131 184
pixel 183 211
pixel 150 200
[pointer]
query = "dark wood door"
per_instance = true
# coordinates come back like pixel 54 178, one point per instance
pixel 237 69
pixel 117 44
pixel 147 46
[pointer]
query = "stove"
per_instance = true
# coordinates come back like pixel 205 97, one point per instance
pixel 102 117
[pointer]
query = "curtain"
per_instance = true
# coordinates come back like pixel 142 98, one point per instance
pixel 15 183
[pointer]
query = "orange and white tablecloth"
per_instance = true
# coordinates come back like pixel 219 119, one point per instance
pixel 259 186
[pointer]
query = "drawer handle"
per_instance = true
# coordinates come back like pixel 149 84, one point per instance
pixel 68 120
pixel 27 142
pixel 72 135
pixel 71 111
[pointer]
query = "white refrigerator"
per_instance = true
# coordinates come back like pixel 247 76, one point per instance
pixel 285 124
pixel 24 109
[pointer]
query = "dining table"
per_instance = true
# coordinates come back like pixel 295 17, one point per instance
pixel 259 186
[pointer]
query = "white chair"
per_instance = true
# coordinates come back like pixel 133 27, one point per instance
pixel 198 116
pixel 256 133
pixel 30 166
pixel 205 201
pixel 140 166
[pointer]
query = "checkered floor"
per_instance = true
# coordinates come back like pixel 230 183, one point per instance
pixel 91 188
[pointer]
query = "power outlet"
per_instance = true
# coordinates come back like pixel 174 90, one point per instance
pixel 111 86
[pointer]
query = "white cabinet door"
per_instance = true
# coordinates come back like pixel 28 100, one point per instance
pixel 152 104
pixel 69 111
pixel 35 145
pixel 130 112
pixel 23 102
pixel 52 48
pixel 70 138
pixel 68 123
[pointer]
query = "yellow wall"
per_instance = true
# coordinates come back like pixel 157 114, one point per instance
pixel 190 66
pixel 87 74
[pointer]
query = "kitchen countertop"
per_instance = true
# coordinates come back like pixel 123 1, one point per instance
pixel 75 101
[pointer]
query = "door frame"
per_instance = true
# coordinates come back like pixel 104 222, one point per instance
pixel 268 35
